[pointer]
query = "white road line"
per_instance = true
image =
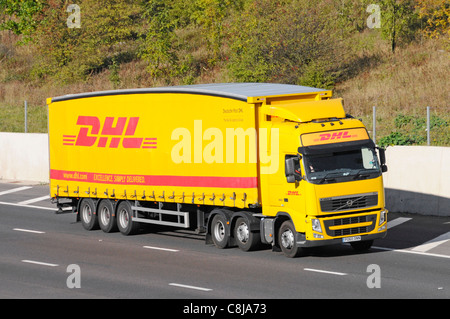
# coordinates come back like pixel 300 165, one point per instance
pixel 397 222
pixel 159 248
pixel 433 243
pixel 39 263
pixel 326 272
pixel 29 231
pixel 18 189
pixel 412 252
pixel 189 287
pixel 29 206
pixel 34 200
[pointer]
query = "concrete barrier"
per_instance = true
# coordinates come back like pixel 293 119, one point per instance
pixel 417 181
pixel 24 157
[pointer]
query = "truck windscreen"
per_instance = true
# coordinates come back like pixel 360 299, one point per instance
pixel 340 166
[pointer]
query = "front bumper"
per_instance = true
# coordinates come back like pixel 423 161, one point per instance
pixel 368 225
pixel 303 242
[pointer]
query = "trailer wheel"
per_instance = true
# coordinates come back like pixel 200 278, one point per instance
pixel 219 231
pixel 88 215
pixel 286 239
pixel 124 219
pixel 106 216
pixel 245 239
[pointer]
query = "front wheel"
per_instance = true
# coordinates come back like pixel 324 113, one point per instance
pixel 286 239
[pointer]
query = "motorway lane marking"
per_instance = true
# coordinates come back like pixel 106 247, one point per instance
pixel 34 200
pixel 397 221
pixel 39 263
pixel 189 287
pixel 412 252
pixel 29 231
pixel 18 189
pixel 433 243
pixel 421 249
pixel 28 206
pixel 159 248
pixel 326 271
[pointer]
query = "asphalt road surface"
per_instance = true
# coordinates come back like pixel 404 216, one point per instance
pixel 44 255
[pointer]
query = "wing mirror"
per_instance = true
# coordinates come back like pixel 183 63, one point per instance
pixel 382 154
pixel 292 169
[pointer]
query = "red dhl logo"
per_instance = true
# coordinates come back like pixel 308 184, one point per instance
pixel 89 133
pixel 334 136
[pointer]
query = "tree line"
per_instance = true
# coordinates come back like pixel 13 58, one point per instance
pixel 288 41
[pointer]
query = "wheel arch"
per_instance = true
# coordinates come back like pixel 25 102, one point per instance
pixel 279 220
pixel 252 221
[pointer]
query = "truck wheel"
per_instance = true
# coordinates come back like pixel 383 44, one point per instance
pixel 286 239
pixel 219 231
pixel 362 245
pixel 106 216
pixel 124 219
pixel 245 239
pixel 88 215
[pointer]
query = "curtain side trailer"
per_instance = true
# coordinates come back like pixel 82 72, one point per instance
pixel 245 164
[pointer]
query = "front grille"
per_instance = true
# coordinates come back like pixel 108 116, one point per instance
pixel 350 221
pixel 350 231
pixel 335 204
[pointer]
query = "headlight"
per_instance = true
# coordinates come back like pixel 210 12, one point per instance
pixel 316 225
pixel 382 217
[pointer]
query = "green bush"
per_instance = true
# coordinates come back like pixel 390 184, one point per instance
pixel 292 43
pixel 411 130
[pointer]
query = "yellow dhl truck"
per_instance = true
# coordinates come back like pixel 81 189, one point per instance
pixel 243 163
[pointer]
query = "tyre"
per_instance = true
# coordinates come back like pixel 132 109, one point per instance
pixel 106 216
pixel 362 245
pixel 219 231
pixel 245 239
pixel 125 219
pixel 286 239
pixel 88 215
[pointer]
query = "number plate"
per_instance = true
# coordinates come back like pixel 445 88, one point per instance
pixel 351 239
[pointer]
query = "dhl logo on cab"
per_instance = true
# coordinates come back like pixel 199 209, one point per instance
pixel 334 137
pixel 118 131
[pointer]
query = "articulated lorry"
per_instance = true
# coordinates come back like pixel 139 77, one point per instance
pixel 244 164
